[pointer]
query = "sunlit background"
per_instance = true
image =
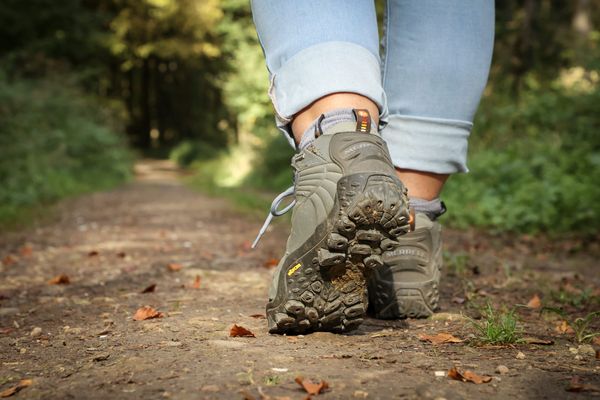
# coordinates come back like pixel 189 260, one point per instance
pixel 88 86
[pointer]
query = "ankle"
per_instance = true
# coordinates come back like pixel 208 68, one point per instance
pixel 421 184
pixel 305 118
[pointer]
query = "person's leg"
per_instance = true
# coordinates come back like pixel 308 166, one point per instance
pixel 321 56
pixel 349 205
pixel 437 58
pixel 436 64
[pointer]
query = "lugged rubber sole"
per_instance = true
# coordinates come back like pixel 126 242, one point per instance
pixel 412 301
pixel 326 288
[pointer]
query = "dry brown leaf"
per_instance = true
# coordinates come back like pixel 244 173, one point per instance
pixel 596 340
pixel 468 376
pixel 23 383
pixel 564 328
pixel 9 260
pixel 149 289
pixel 534 340
pixel 93 253
pixel 312 388
pixel 61 279
pixel 146 312
pixel 240 331
pixel 196 284
pixel 576 385
pixel 26 250
pixel 440 338
pixel 535 302
pixel 271 263
pixel 174 267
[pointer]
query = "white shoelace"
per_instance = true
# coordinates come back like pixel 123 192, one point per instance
pixel 275 211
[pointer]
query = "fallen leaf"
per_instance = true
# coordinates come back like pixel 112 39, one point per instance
pixel 196 284
pixel 271 263
pixel 23 383
pixel 534 340
pixel 576 385
pixel 26 250
pixel 564 328
pixel 9 260
pixel 440 338
pixel 146 312
pixel 174 267
pixel 468 376
pixel 93 253
pixel 240 331
pixel 535 302
pixel 6 331
pixel 258 316
pixel 596 340
pixel 149 289
pixel 312 388
pixel 61 279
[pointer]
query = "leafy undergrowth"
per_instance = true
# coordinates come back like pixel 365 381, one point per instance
pixel 55 142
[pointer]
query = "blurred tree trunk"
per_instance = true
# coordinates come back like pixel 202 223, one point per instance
pixel 523 46
pixel 582 27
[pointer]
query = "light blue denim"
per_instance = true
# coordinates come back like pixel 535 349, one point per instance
pixel 427 84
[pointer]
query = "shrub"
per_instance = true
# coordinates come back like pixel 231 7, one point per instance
pixel 55 141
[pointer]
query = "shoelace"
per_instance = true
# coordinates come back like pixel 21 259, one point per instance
pixel 275 211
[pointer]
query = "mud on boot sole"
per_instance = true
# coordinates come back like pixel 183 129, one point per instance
pixel 327 286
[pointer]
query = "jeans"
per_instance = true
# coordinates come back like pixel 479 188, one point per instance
pixel 427 84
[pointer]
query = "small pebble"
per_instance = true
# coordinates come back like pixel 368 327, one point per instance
pixel 35 332
pixel 520 356
pixel 502 369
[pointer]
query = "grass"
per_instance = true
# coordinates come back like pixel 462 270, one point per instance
pixel 497 326
pixel 580 325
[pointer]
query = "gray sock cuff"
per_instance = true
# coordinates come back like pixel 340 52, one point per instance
pixel 327 122
pixel 432 208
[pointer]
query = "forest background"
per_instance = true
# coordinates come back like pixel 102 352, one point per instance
pixel 86 86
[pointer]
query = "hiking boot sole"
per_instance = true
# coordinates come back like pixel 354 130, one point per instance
pixel 393 298
pixel 325 289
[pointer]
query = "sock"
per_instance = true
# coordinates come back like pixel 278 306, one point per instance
pixel 331 122
pixel 432 208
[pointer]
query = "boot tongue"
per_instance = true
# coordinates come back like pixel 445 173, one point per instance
pixel 336 121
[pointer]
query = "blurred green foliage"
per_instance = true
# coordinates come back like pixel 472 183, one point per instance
pixel 187 78
pixel 55 142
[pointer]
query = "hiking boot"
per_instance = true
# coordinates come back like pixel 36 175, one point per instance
pixel 349 209
pixel 407 285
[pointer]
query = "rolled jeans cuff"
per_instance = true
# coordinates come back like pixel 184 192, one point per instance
pixel 428 144
pixel 323 69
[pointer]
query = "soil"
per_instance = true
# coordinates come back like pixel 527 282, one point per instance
pixel 79 339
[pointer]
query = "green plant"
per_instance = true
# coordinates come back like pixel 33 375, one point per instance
pixel 55 142
pixel 580 325
pixel 456 263
pixel 575 299
pixel 498 326
pixel 272 380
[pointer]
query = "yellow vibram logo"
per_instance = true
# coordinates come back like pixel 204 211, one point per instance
pixel 294 269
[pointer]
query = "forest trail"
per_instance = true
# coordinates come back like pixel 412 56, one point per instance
pixel 79 340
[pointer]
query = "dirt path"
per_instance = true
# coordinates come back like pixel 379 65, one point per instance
pixel 79 340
